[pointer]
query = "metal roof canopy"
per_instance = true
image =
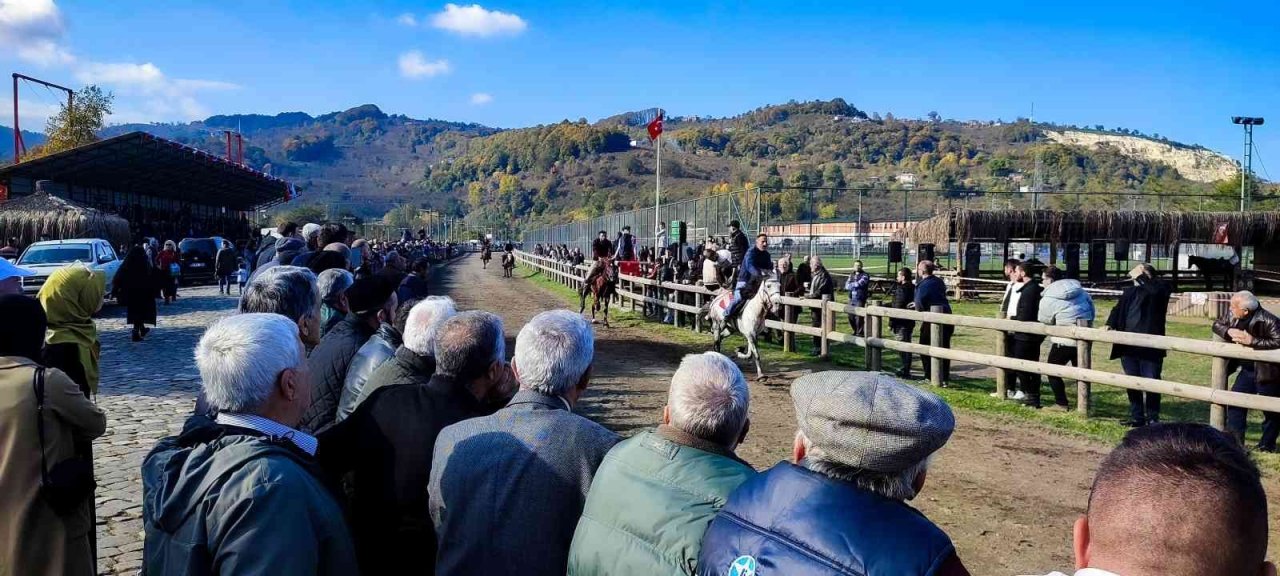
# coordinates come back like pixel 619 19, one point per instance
pixel 147 165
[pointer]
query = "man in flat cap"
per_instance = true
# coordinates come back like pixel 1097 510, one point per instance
pixel 862 451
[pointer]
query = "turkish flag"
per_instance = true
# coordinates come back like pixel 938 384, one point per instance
pixel 655 127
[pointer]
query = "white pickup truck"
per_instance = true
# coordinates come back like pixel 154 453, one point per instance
pixel 45 257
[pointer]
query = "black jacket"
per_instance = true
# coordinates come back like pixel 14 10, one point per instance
pixel 903 295
pixel 1028 309
pixel 384 450
pixel 601 248
pixel 1142 308
pixel 822 284
pixel 1265 329
pixel 328 364
pixel 738 246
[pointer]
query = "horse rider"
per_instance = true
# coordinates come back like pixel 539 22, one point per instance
pixel 601 250
pixel 625 251
pixel 756 264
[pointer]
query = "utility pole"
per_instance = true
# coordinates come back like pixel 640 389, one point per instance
pixel 1246 167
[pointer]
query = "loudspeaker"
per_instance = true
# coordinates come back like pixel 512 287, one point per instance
pixel 1071 253
pixel 1097 261
pixel 895 252
pixel 972 259
pixel 924 252
pixel 1122 250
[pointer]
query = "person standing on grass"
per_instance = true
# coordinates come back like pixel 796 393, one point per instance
pixel 932 291
pixel 1063 303
pixel 1025 305
pixel 1248 324
pixel 904 295
pixel 1142 309
pixel 1007 312
pixel 822 285
pixel 859 287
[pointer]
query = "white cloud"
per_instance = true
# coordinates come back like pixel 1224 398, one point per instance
pixel 33 30
pixel 414 65
pixel 475 20
pixel 407 19
pixel 161 97
pixel 481 98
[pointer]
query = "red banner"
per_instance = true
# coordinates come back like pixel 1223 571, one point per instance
pixel 1222 234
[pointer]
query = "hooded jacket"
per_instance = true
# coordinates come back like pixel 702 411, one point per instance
pixel 227 500
pixel 1062 304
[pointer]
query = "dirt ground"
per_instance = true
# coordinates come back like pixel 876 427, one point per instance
pixel 1006 492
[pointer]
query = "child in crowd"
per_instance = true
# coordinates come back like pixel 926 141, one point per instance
pixel 242 275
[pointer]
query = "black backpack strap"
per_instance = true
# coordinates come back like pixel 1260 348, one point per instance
pixel 37 382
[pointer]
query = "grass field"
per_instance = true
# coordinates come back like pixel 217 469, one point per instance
pixel 1110 405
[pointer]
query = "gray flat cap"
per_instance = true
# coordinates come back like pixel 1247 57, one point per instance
pixel 871 421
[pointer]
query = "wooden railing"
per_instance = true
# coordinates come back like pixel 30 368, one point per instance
pixel 874 343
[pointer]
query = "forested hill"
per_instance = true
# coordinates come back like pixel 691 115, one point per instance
pixel 364 161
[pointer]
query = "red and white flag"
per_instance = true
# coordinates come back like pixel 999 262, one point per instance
pixel 655 127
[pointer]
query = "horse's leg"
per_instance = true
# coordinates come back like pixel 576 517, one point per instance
pixel 582 301
pixel 755 353
pixel 719 334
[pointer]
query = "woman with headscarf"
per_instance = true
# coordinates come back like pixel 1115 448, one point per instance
pixel 135 287
pixel 170 270
pixel 34 539
pixel 70 297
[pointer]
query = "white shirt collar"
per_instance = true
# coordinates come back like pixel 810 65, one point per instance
pixel 305 442
pixel 1086 572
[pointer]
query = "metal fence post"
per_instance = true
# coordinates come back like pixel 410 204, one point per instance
pixel 935 340
pixel 828 320
pixel 1084 361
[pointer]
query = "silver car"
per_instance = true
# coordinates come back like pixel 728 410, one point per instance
pixel 45 257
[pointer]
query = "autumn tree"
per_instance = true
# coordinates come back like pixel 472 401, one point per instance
pixel 76 124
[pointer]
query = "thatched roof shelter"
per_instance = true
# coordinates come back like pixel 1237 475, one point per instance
pixel 1057 226
pixel 28 217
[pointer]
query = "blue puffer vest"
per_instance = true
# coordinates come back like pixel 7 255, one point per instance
pixel 793 521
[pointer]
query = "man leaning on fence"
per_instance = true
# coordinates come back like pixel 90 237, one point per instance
pixel 1248 324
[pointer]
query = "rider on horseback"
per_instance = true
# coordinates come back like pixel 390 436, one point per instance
pixel 601 250
pixel 756 265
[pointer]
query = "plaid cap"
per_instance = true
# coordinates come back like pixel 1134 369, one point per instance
pixel 870 421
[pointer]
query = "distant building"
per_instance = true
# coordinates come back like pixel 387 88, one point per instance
pixel 906 178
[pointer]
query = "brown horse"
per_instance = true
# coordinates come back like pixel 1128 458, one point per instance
pixel 602 288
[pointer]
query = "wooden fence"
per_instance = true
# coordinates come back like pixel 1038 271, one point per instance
pixel 687 314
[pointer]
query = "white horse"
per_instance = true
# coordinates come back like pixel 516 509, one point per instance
pixel 750 322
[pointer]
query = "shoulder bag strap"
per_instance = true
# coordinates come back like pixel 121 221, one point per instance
pixel 38 384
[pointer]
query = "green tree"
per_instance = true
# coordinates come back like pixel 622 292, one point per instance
pixel 302 214
pixel 402 216
pixel 77 124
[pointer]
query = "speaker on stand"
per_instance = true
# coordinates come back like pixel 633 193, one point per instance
pixel 924 252
pixel 1071 253
pixel 1097 261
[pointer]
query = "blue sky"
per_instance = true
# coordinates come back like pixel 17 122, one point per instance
pixel 1177 68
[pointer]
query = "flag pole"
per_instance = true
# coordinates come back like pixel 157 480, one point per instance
pixel 657 191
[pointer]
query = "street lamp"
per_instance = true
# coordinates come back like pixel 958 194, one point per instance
pixel 1246 168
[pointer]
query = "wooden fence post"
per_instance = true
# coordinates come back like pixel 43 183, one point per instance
pixel 788 338
pixel 1002 375
pixel 674 296
pixel 871 328
pixel 1084 360
pixel 1218 381
pixel 935 339
pixel 828 320
pixel 697 317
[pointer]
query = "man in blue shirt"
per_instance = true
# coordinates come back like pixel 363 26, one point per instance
pixel 756 264
pixel 932 291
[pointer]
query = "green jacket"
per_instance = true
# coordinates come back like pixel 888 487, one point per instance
pixel 650 502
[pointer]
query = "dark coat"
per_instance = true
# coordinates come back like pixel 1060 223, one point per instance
pixel 413 287
pixel 227 500
pixel 135 286
pixel 531 460
pixel 601 248
pixel 384 450
pixel 1142 308
pixel 790 285
pixel 822 284
pixel 738 245
pixel 796 521
pixel 903 294
pixel 224 264
pixel 1029 310
pixel 1265 329
pixel 932 291
pixel 328 365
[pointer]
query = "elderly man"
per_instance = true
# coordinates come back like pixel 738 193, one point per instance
pixel 372 301
pixel 655 493
pixel 242 494
pixel 311 236
pixel 1248 324
pixel 378 350
pixel 414 362
pixel 386 445
pixel 862 451
pixel 1171 500
pixel 821 285
pixel 507 490
pixel 11 277
pixel 333 285
pixel 932 291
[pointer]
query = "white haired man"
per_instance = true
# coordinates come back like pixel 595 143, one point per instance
pixel 414 361
pixel 507 490
pixel 386 444
pixel 656 492
pixel 1248 324
pixel 862 451
pixel 242 494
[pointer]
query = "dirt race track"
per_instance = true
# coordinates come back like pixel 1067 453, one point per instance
pixel 1007 492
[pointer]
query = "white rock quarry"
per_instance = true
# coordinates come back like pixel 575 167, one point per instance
pixel 1192 163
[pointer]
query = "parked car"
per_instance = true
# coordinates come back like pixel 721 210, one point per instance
pixel 197 258
pixel 49 255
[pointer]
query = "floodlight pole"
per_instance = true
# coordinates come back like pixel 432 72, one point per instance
pixel 1247 168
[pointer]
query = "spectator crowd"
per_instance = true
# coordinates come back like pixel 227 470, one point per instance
pixel 351 423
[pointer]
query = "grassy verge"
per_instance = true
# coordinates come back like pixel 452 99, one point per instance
pixel 970 392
